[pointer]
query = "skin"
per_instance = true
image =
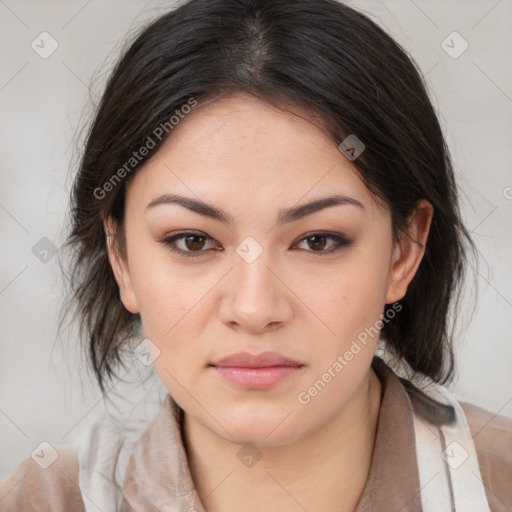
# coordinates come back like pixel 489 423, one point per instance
pixel 251 160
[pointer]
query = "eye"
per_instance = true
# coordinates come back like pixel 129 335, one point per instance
pixel 318 242
pixel 193 243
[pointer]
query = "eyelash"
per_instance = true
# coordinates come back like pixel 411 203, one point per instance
pixel 169 241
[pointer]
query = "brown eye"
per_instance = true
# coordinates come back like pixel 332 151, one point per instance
pixel 317 242
pixel 192 244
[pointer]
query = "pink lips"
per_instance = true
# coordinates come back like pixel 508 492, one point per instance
pixel 256 371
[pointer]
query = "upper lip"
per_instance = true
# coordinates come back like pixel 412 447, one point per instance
pixel 247 360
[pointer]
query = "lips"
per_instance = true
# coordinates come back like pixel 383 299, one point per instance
pixel 262 360
pixel 256 371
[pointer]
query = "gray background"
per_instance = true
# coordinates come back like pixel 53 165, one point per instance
pixel 45 391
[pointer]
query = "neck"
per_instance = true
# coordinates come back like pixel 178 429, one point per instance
pixel 323 471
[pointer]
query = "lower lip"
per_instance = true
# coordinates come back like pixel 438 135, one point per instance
pixel 256 378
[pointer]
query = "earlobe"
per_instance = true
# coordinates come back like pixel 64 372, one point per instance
pixel 120 268
pixel 409 251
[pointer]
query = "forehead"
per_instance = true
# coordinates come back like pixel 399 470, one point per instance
pixel 240 125
pixel 243 150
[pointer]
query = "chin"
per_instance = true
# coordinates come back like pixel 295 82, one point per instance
pixel 251 436
pixel 261 427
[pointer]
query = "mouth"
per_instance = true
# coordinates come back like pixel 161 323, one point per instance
pixel 256 371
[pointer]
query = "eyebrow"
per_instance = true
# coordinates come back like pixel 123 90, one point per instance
pixel 285 215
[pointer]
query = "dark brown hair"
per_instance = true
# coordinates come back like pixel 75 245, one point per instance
pixel 321 55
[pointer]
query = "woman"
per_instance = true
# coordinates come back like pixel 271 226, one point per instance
pixel 266 198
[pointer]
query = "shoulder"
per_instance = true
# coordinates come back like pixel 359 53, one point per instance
pixel 50 484
pixel 492 436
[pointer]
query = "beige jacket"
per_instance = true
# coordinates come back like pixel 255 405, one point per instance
pixel 157 475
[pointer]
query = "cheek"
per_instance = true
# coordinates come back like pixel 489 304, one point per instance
pixel 170 311
pixel 160 304
pixel 164 293
pixel 350 304
pixel 172 299
pixel 356 293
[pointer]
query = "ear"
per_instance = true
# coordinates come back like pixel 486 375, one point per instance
pixel 409 251
pixel 120 268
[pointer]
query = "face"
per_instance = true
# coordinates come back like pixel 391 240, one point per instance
pixel 267 274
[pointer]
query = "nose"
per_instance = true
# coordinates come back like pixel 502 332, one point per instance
pixel 256 298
